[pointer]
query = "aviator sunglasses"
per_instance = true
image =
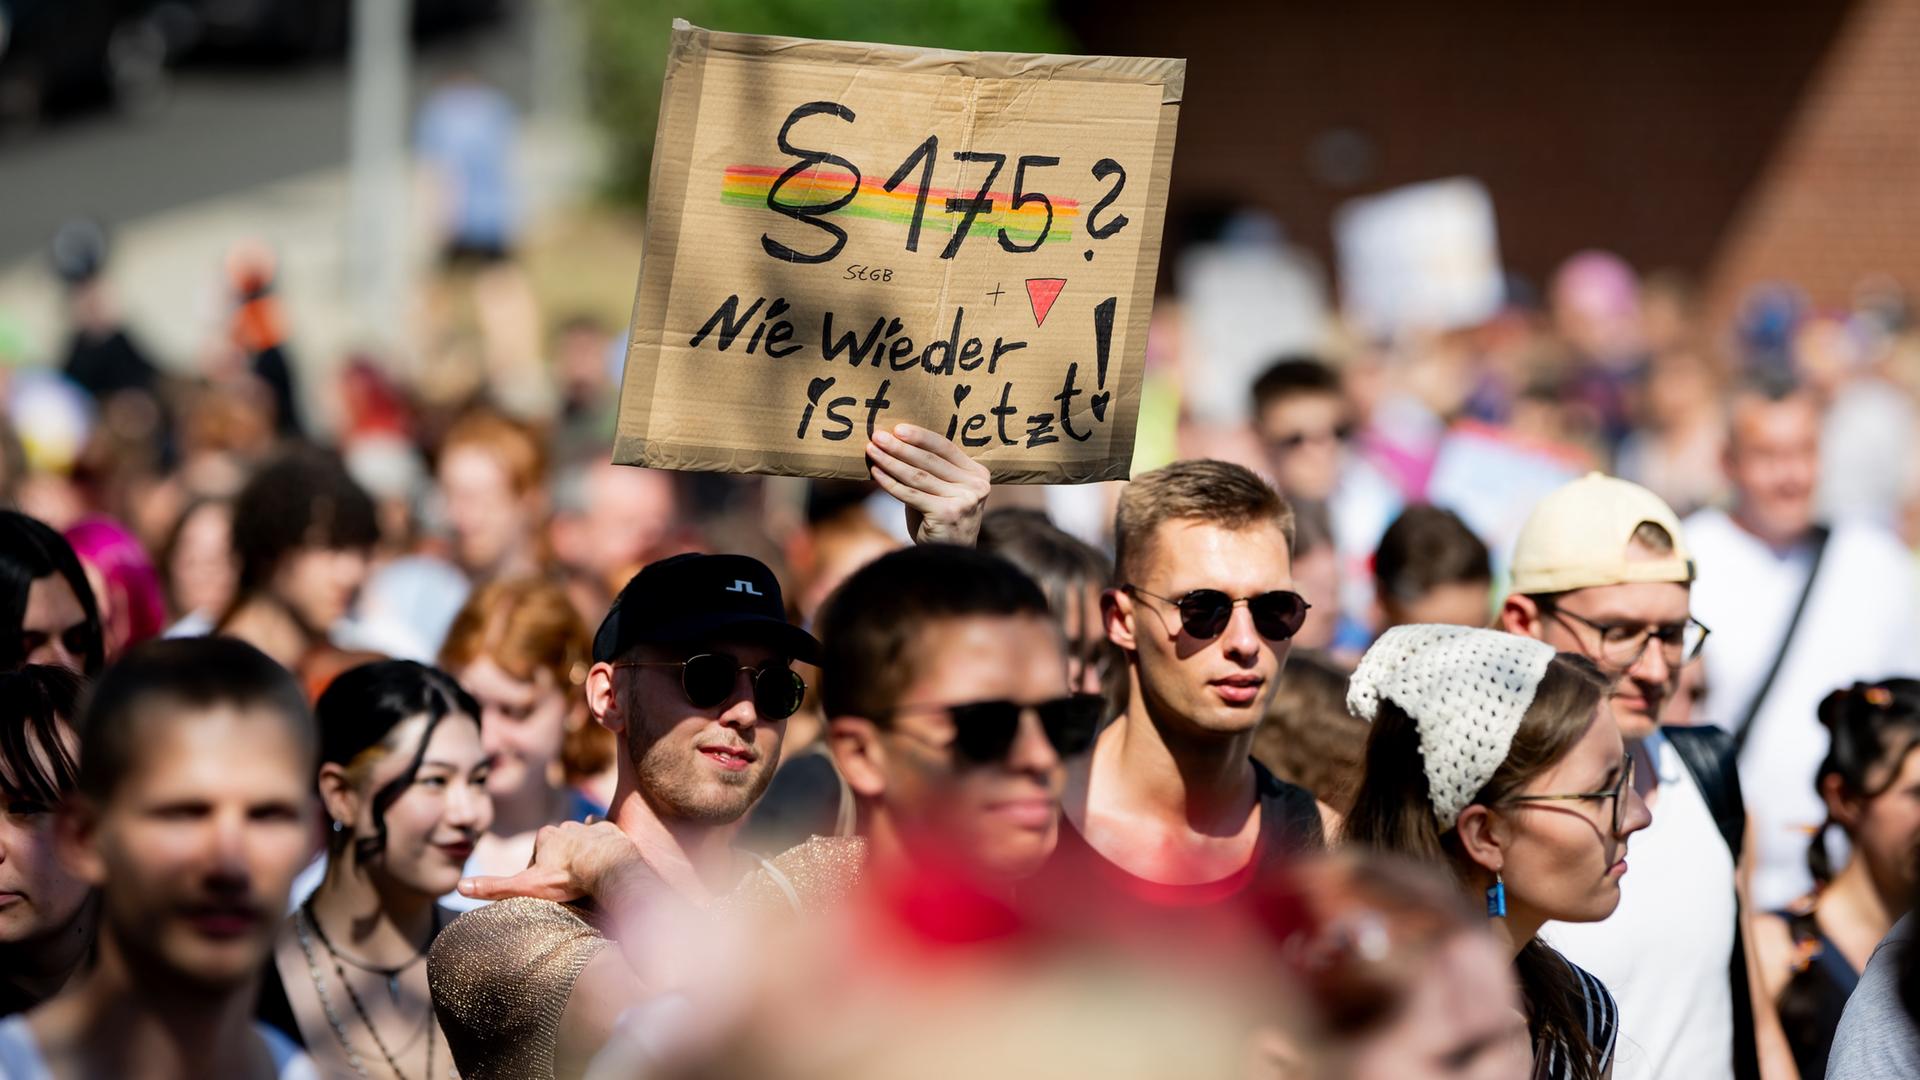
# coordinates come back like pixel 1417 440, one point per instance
pixel 1204 613
pixel 983 731
pixel 709 679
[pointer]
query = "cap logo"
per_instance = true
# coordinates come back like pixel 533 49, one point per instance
pixel 745 587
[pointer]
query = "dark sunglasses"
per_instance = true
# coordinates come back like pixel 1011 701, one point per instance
pixel 983 731
pixel 709 679
pixel 1204 612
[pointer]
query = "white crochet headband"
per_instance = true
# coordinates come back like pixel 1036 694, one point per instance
pixel 1466 691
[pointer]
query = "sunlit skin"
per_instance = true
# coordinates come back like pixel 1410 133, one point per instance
pixel 1858 907
pixel 1311 469
pixel 381 909
pixel 493 526
pixel 319 584
pixel 44 928
pixel 691 768
pixel 523 725
pixel 1204 687
pixel 1773 459
pixel 194 852
pixel 999 821
pixel 1559 860
pixel 1168 793
pixel 53 614
pixel 1461 1020
pixel 1641 690
pixel 200 844
pixel 202 571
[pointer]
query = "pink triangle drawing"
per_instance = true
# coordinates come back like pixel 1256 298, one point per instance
pixel 1043 291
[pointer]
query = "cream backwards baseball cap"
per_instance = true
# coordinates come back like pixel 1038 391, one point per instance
pixel 1578 537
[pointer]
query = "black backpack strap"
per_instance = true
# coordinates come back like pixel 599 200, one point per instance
pixel 1712 758
pixel 1289 816
pixel 1818 538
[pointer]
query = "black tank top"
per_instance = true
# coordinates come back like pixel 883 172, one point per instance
pixel 1289 825
pixel 1811 1004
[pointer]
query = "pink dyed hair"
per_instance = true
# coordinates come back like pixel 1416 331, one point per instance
pixel 129 573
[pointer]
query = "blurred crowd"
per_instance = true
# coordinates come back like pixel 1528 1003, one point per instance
pixel 1205 774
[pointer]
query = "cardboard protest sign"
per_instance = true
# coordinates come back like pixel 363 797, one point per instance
pixel 842 237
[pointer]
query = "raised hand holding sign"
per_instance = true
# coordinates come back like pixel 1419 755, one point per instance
pixel 846 238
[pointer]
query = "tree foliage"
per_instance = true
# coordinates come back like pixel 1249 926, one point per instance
pixel 627 49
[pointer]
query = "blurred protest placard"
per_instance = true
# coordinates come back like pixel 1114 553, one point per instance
pixel 1421 257
pixel 844 236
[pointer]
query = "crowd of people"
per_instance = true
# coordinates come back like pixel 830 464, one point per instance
pixel 436 744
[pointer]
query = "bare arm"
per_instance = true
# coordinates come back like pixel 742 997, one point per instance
pixel 1769 952
pixel 606 988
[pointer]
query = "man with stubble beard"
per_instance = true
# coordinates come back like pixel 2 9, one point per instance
pixel 193 813
pixel 692 672
pixel 1170 809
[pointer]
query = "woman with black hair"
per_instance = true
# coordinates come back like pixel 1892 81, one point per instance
pixel 1811 954
pixel 45 600
pixel 303 533
pixel 403 782
pixel 46 910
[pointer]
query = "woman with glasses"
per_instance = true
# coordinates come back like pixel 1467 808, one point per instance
pixel 403 782
pixel 1810 955
pixel 1495 756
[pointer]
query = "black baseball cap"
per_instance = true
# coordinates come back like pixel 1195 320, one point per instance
pixel 695 597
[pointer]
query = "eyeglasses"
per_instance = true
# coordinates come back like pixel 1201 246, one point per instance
pixel 1294 440
pixel 1618 794
pixel 1204 612
pixel 983 731
pixel 1622 644
pixel 710 678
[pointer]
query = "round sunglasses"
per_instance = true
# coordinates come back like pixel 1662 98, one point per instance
pixel 1204 613
pixel 710 678
pixel 984 731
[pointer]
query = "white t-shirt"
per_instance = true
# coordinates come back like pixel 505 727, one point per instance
pixel 20 1057
pixel 1858 625
pixel 1664 951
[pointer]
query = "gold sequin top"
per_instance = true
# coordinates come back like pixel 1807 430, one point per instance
pixel 501 975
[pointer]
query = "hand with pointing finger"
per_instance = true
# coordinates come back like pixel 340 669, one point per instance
pixel 573 860
pixel 944 490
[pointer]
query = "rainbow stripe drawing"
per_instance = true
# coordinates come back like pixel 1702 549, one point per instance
pixel 747 185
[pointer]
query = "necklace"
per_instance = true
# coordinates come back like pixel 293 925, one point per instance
pixel 300 924
pixel 391 974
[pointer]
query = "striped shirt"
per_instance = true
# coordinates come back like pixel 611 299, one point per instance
pixel 1600 1022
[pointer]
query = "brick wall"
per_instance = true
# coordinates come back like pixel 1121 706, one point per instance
pixel 1839 198
pixel 1640 126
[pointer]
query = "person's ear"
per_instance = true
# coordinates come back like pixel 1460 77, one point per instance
pixel 1843 807
pixel 76 832
pixel 338 798
pixel 1117 613
pixel 602 702
pixel 859 754
pixel 1484 837
pixel 1520 614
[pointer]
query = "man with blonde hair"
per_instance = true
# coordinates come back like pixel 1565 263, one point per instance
pixel 1170 807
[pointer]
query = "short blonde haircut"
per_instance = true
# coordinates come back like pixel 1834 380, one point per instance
pixel 1213 492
